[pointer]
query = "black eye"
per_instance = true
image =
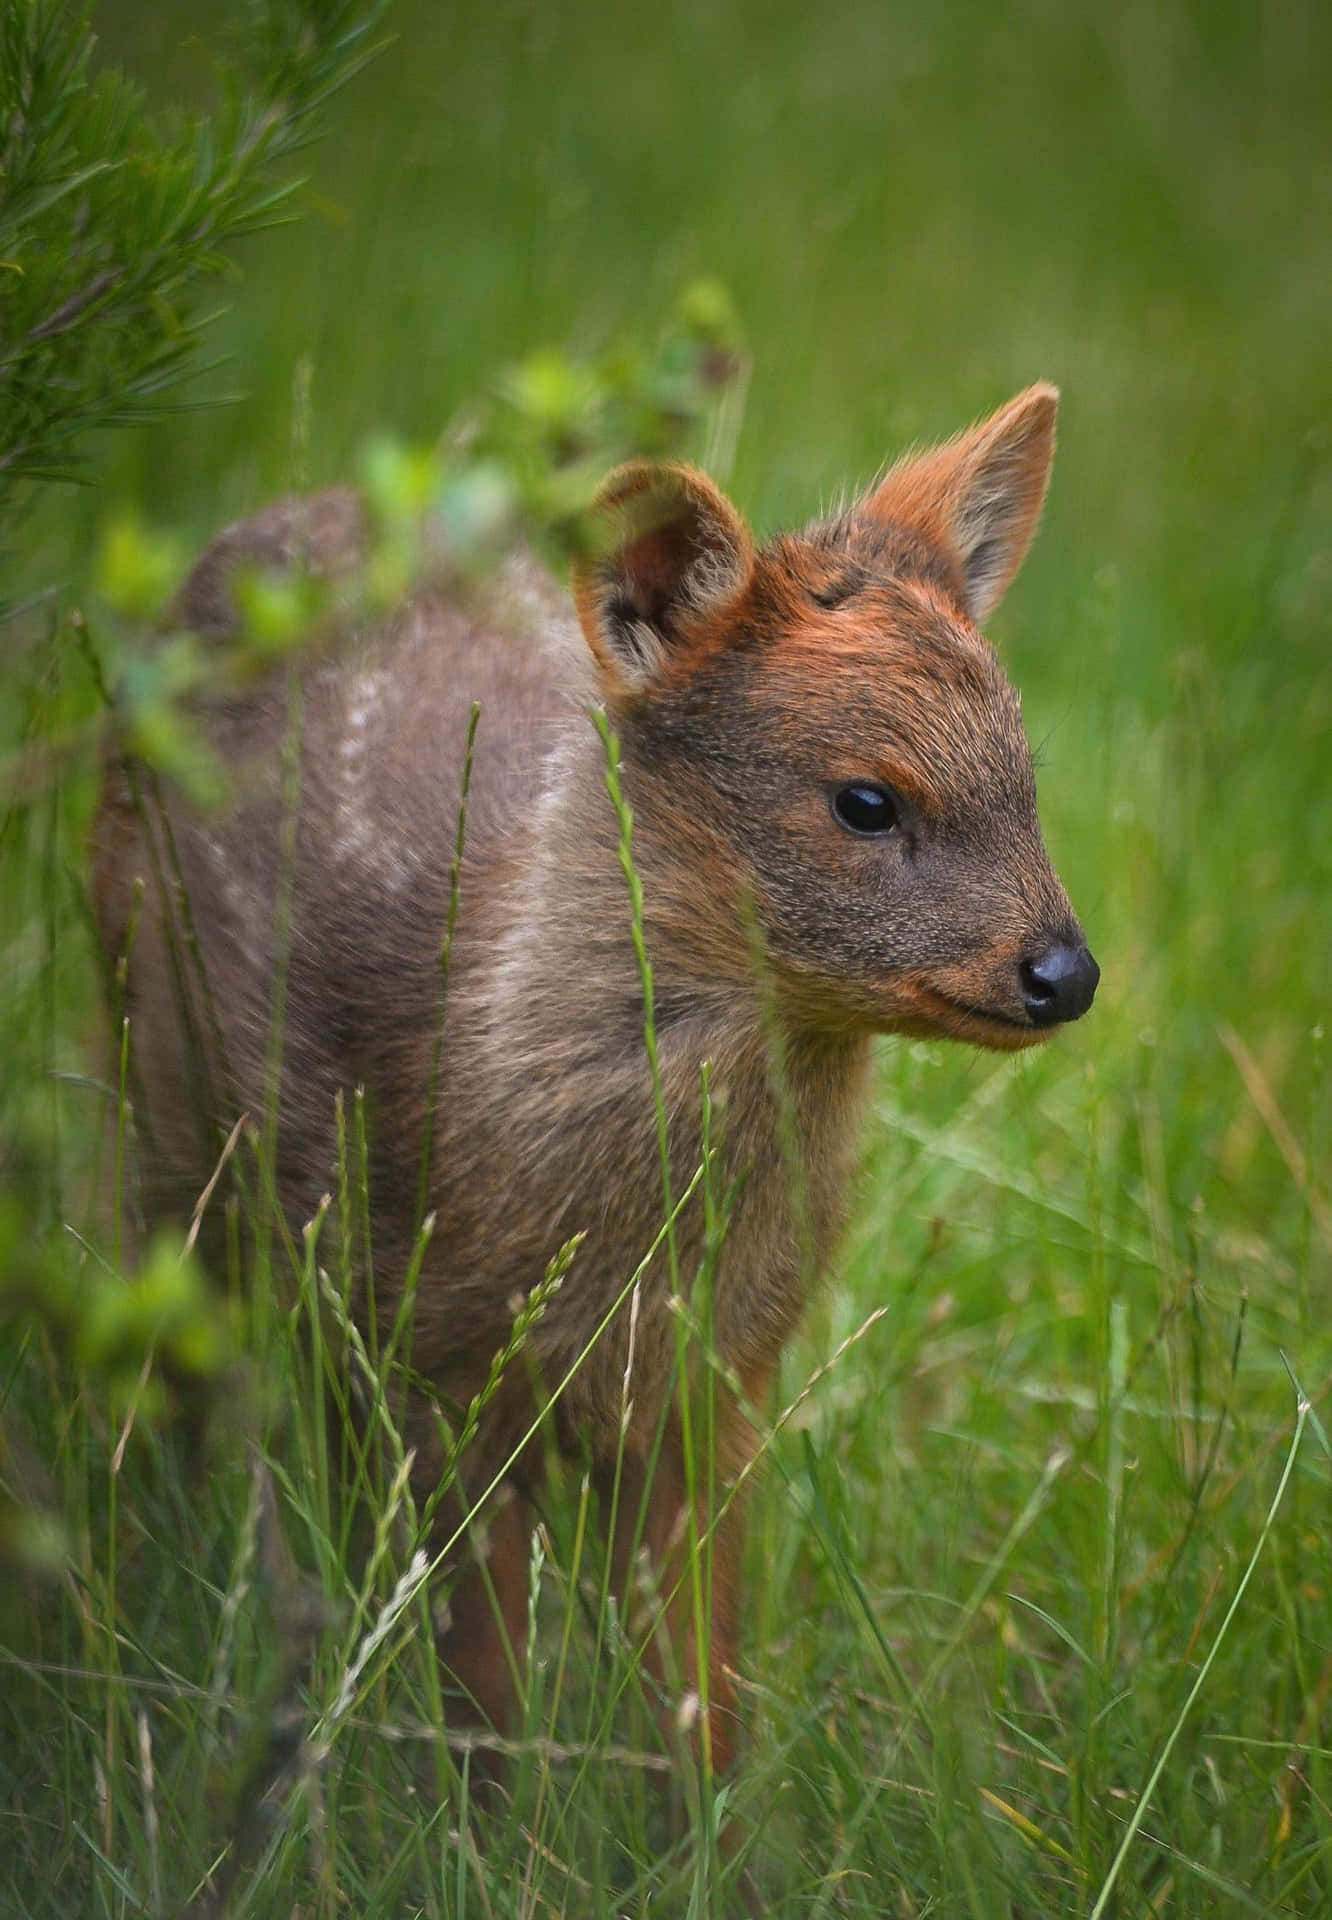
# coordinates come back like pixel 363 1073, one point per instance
pixel 865 809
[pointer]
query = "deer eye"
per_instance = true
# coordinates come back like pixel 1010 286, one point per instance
pixel 865 809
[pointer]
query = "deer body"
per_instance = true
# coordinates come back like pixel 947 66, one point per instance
pixel 835 830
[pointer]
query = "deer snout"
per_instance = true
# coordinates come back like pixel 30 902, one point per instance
pixel 1060 984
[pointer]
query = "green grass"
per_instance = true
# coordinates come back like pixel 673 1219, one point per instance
pixel 1017 1550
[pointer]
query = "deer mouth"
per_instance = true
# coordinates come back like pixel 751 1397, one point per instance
pixel 939 1013
pixel 990 1014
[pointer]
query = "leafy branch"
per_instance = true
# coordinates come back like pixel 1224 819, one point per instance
pixel 113 220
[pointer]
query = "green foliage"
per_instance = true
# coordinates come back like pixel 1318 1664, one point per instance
pixel 113 220
pixel 138 569
pixel 117 1327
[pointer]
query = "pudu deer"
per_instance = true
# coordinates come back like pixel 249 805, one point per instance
pixel 834 824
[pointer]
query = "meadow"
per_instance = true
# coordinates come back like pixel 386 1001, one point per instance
pixel 1040 1575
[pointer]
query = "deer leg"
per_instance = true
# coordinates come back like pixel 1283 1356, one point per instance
pixel 676 1566
pixel 482 1638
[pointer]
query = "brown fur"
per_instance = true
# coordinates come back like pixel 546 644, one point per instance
pixel 745 687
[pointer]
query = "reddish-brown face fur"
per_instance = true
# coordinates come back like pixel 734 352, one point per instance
pixel 837 669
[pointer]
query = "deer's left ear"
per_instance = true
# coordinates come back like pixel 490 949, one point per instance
pixel 979 496
pixel 669 558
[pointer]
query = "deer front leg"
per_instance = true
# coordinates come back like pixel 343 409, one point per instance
pixel 484 1631
pixel 676 1568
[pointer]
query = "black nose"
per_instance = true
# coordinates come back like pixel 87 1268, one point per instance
pixel 1059 986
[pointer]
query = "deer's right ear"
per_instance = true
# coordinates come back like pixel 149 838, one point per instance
pixel 668 556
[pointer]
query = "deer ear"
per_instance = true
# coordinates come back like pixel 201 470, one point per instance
pixel 668 554
pixel 978 496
